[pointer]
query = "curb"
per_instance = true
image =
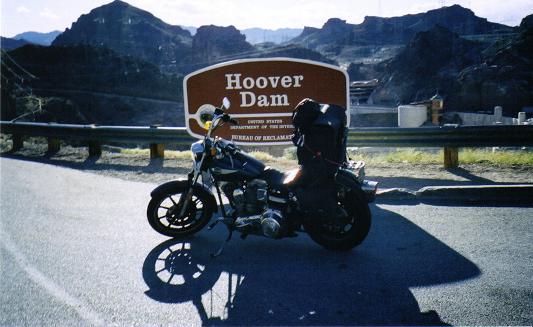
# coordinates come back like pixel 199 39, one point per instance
pixel 513 193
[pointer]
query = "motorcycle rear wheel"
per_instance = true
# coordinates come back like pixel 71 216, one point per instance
pixel 163 213
pixel 340 236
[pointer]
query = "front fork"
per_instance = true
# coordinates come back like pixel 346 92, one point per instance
pixel 192 181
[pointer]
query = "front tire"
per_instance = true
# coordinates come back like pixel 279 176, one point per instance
pixel 164 208
pixel 342 234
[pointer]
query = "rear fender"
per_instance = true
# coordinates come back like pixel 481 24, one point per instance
pixel 182 186
pixel 366 190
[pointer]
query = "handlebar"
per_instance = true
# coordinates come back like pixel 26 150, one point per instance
pixel 227 119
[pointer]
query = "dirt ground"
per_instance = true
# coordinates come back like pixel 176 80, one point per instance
pixel 140 168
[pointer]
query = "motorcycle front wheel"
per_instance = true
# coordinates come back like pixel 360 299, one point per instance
pixel 346 231
pixel 164 213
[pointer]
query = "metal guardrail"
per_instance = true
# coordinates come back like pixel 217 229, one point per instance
pixel 450 137
pixel 443 136
pixel 102 134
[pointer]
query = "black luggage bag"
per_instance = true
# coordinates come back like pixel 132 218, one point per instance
pixel 320 136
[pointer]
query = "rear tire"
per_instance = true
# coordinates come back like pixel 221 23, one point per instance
pixel 163 211
pixel 346 233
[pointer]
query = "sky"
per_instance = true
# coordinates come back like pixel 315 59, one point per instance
pixel 19 16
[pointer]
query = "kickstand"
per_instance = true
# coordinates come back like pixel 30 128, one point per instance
pixel 219 252
pixel 213 224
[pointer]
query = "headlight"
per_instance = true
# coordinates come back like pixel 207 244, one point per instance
pixel 197 148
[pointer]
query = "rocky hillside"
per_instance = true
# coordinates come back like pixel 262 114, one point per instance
pixel 130 31
pixel 99 85
pixel 505 77
pixel 95 69
pixel 378 39
pixel 212 44
pixel 291 51
pixel 396 30
pixel 431 61
pixel 470 76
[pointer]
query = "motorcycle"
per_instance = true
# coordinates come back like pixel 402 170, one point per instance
pixel 262 201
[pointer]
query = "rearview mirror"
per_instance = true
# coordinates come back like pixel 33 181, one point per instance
pixel 225 103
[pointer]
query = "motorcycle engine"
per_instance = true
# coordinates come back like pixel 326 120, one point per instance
pixel 251 201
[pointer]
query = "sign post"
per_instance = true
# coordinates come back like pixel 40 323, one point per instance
pixel 263 94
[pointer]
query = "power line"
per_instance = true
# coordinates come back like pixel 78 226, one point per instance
pixel 16 64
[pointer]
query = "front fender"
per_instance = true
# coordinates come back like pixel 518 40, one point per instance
pixel 366 189
pixel 182 186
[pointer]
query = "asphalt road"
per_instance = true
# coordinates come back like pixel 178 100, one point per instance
pixel 76 250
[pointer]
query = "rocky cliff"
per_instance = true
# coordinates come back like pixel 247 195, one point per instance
pixel 213 43
pixel 129 31
pixel 470 76
pixel 430 62
pixel 397 30
pixel 102 85
pixel 505 77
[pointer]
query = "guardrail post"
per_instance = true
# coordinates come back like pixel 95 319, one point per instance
pixel 95 149
pixel 157 150
pixel 53 145
pixel 18 142
pixel 451 157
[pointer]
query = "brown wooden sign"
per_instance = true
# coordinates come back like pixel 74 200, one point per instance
pixel 263 94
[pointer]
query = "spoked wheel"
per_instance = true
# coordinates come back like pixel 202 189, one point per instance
pixel 347 229
pixel 164 214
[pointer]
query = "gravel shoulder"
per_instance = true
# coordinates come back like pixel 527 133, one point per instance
pixel 138 167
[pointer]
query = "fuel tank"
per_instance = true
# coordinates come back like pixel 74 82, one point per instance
pixel 237 166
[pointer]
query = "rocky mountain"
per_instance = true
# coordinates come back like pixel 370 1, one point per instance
pixel 468 75
pixel 394 30
pixel 38 38
pixel 129 31
pixel 290 51
pixel 505 77
pixel 430 62
pixel 95 69
pixel 261 35
pixel 214 42
pixel 7 43
pixel 342 40
pixel 121 64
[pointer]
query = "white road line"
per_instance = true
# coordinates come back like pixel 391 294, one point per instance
pixel 52 288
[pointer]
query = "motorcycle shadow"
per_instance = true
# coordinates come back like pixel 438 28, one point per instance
pixel 296 282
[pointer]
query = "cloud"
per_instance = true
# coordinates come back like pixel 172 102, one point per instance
pixel 23 10
pixel 46 12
